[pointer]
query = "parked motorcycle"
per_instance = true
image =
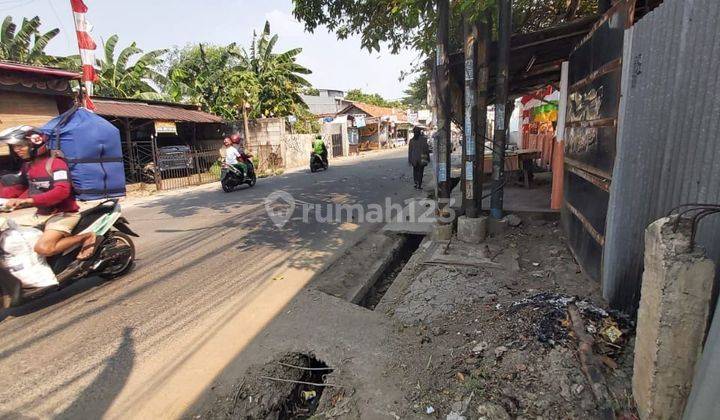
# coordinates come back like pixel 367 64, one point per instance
pixel 114 256
pixel 232 177
pixel 317 162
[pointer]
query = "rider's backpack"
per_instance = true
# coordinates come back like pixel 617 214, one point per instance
pixel 93 151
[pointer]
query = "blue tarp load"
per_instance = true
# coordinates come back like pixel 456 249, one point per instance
pixel 93 150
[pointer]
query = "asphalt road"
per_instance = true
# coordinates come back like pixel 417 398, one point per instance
pixel 212 270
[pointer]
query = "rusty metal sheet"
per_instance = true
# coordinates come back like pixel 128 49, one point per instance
pixel 591 135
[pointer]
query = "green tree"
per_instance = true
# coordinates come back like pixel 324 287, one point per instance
pixel 416 93
pixel 204 75
pixel 411 23
pixel 245 92
pixel 279 75
pixel 358 95
pixel 26 44
pixel 119 79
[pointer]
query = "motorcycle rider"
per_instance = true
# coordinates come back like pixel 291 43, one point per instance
pixel 320 149
pixel 44 183
pixel 244 158
pixel 233 157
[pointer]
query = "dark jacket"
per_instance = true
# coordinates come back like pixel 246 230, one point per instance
pixel 418 151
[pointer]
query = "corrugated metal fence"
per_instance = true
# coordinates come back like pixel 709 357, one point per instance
pixel 668 140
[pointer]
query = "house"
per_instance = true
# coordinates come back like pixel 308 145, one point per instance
pixel 326 102
pixel 31 95
pixel 374 127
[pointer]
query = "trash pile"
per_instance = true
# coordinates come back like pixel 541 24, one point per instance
pixel 610 329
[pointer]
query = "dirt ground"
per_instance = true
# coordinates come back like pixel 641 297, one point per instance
pixel 495 342
pixel 478 332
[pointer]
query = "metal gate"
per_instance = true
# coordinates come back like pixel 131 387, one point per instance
pixel 337 145
pixel 174 169
pixel 591 130
pixel 137 157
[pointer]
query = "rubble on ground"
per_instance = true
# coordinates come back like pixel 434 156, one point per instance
pixel 508 344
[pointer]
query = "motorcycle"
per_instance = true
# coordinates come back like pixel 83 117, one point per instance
pixel 114 256
pixel 317 162
pixel 232 177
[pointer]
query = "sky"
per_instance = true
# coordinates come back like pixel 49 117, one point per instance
pixel 157 24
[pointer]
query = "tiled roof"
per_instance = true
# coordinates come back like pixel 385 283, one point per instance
pixel 377 111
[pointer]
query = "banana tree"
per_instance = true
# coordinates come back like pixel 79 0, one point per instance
pixel 245 93
pixel 26 44
pixel 279 75
pixel 119 79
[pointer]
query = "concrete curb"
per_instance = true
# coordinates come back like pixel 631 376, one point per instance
pixel 376 271
pixel 404 279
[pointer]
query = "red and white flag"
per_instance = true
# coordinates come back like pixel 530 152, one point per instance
pixel 87 49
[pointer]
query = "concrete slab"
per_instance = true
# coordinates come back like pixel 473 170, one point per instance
pixel 417 218
pixel 352 275
pixel 459 253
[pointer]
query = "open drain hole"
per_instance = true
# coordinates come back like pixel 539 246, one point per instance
pixel 304 399
pixel 285 388
pixel 399 259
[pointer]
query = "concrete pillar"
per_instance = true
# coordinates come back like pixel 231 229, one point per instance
pixel 472 230
pixel 442 232
pixel 672 320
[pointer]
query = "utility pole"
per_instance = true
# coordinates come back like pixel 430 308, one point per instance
pixel 442 87
pixel 471 153
pixel 484 31
pixel 501 97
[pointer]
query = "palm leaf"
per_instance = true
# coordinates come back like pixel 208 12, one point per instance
pixel 289 54
pixel 37 53
pixel 7 32
pixel 125 54
pixel 21 42
pixel 110 49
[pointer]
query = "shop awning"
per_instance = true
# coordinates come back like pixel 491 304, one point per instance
pixel 157 111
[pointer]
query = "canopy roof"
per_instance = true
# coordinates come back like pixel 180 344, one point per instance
pixel 152 110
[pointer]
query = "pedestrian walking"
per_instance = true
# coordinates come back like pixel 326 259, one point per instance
pixel 418 155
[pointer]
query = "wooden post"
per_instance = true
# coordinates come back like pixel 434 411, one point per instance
pixel 158 174
pixel 470 150
pixel 501 97
pixel 246 127
pixel 132 164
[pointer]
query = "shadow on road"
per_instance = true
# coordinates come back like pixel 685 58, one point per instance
pixel 111 381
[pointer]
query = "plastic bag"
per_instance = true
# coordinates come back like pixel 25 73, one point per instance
pixel 20 258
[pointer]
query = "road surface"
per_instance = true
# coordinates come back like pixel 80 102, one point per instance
pixel 212 270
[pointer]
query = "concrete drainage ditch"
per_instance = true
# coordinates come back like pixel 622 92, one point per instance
pixel 382 281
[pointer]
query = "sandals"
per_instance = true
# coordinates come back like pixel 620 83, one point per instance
pixel 94 248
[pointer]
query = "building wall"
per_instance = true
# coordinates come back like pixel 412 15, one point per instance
pixel 327 102
pixel 296 150
pixel 338 126
pixel 25 109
